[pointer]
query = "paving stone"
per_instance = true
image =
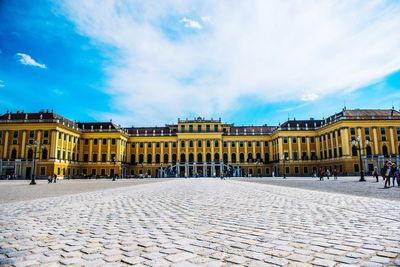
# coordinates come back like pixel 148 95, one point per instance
pixel 180 257
pixel 322 262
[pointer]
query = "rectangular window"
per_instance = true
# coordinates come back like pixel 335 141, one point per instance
pixel 46 134
pixel 113 141
pixel 216 143
pixel 303 140
pixel 257 143
pixel 199 143
pixel 105 142
pixel 216 128
pixel 191 128
pixel 294 140
pixel 249 143
pixel 190 143
pixel 15 142
pixel 65 137
pixel 182 143
pixel 383 138
pixel 141 144
pixel 31 134
pixel 45 141
pixel 199 128
pixel 233 143
pixel 173 144
pixel 103 172
pixel 333 134
pixel 86 141
pixel 296 170
pixel 383 131
pixel 266 143
pixel 103 157
pixel 63 155
pixel 59 135
pixel 241 143
pixel 85 157
pixel 286 155
pixel 295 156
pixel 304 156
pixel 340 152
pixel 398 131
pixel 95 141
pixel 305 170
pixel 182 128
pixel 42 171
pixel 225 144
pixel 366 131
pixel 353 131
pixel 15 134
pixel 207 128
pixel 285 140
pixel 312 139
pixel 157 144
pixel 356 168
pixel 165 144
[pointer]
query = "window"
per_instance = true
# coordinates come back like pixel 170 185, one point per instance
pixel 333 134
pixel 286 155
pixel 354 151
pixel 233 143
pixel 257 143
pixel 149 144
pixel 191 128
pixel 31 134
pixel 385 150
pixel 304 156
pixel 295 156
pixel 199 128
pixel 42 171
pixel 44 154
pixel 86 141
pixel 199 143
pixel 266 143
pixel 165 144
pixel 216 143
pixel 141 144
pixel 182 143
pixel 340 152
pixel 383 138
pixel 208 143
pixel 225 144
pixel 157 144
pixel 65 137
pixel 303 139
pixel 383 131
pixel 296 170
pixel 249 143
pixel 105 142
pixel 190 143
pixel 312 139
pixel 366 131
pixel 397 130
pixel 294 140
pixel 216 128
pixel 174 145
pixel 85 157
pixel 95 141
pixel 103 172
pixel 113 141
pixel 182 128
pixel 305 170
pixel 207 128
pixel 15 134
pixel 353 131
pixel 103 157
pixel 241 143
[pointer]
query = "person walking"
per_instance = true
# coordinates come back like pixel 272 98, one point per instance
pixel 328 173
pixel 334 174
pixel 388 168
pixel 375 174
pixel 393 170
pixel 49 179
pixel 321 174
pixel 55 178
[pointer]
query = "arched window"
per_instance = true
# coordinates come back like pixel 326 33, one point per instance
pixel 241 157
pixel 385 151
pixel 208 157
pixel 141 158
pixel 44 153
pixel 183 158
pixel 200 157
pixel 354 151
pixel 266 159
pixel 173 158
pixel 165 158
pixel 225 156
pixel 216 157
pixel 191 157
pixel 14 154
pixel 30 154
pixel 149 158
pixel 158 158
pixel 234 157
pixel 250 157
pixel 369 150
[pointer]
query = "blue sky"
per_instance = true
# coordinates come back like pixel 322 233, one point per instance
pixel 147 63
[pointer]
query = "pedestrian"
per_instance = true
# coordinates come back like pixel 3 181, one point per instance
pixel 387 170
pixel 55 178
pixel 375 174
pixel 328 173
pixel 397 174
pixel 321 174
pixel 393 170
pixel 334 174
pixel 49 179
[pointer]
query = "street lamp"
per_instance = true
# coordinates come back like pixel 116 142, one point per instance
pixel 284 158
pixel 356 142
pixel 35 145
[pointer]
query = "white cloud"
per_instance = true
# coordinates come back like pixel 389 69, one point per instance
pixel 189 23
pixel 58 92
pixel 270 50
pixel 28 60
pixel 2 83
pixel 309 97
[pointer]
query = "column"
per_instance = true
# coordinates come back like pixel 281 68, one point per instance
pixel 162 152
pixel 66 149
pixel 90 149
pixel 187 151
pixel 262 150
pixel 23 144
pixel 178 153
pixel 99 155
pixel 204 151
pixel 221 154
pixel 308 147
pixel 170 152
pixel 81 148
pixel 245 151
pixel 195 150
pixel 376 149
pixel 237 151
pixel 229 151
pixel 332 146
pixel 280 147
pixel 145 144
pixel 299 152
pixel 212 150
pixel 53 144
pixel 118 153
pixel 290 148
pixel 5 145
pixel 345 142
pixel 392 145
pixel 327 145
pixel 317 147
pixel 62 147
pixel 153 155
pixel 254 150
pixel 108 149
pixel 337 145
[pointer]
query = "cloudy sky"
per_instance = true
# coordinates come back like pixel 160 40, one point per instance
pixel 150 62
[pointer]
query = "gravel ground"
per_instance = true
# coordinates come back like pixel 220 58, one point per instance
pixel 19 190
pixel 344 185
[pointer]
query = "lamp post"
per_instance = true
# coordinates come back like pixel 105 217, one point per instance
pixel 284 158
pixel 35 145
pixel 357 142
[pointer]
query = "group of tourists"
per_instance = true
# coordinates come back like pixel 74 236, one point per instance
pixel 389 171
pixel 52 179
pixel 322 173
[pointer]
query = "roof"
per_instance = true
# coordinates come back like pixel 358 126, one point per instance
pixel 95 126
pixel 249 130
pixel 301 124
pixel 150 131
pixel 365 114
pixel 36 117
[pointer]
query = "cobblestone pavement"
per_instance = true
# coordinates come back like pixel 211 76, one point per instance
pixel 18 190
pixel 201 222
pixel 343 185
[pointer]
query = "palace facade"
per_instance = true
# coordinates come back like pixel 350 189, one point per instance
pixel 46 143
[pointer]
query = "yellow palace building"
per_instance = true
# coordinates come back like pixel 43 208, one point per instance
pixel 45 143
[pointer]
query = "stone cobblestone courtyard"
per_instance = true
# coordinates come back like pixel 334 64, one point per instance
pixel 199 222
